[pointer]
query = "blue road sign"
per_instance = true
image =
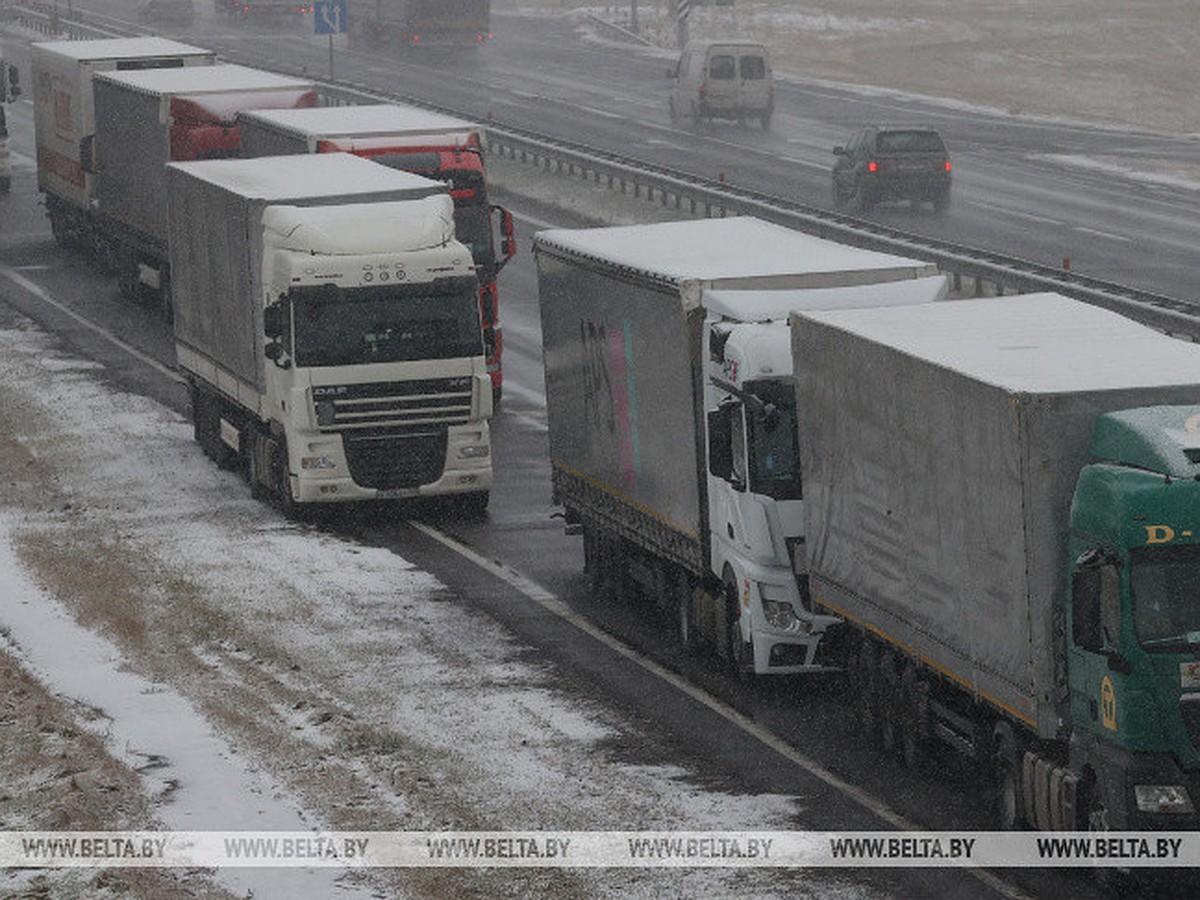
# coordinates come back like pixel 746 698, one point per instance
pixel 329 16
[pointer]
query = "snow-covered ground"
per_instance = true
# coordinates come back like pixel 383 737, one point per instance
pixel 269 675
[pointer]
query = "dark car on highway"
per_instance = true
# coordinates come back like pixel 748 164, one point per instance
pixel 881 164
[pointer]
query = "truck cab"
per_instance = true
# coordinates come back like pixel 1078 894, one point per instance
pixel 754 492
pixel 1133 622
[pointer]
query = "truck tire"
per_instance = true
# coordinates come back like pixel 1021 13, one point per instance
pixel 685 627
pixel 913 718
pixel 739 653
pixel 1008 795
pixel 1093 816
pixel 888 702
pixel 865 675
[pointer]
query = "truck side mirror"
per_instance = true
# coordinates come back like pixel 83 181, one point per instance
pixel 274 321
pixel 839 151
pixel 1085 609
pixel 1096 603
pixel 87 154
pixel 275 352
pixel 720 452
pixel 508 241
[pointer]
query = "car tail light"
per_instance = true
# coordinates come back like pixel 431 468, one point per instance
pixel 872 166
pixel 947 165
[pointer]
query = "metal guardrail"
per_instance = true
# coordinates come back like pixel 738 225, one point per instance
pixel 703 196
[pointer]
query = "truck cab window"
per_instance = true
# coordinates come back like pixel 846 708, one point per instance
pixel 773 450
pixel 1165 590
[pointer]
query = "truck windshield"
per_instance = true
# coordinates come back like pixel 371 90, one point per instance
pixel 1165 583
pixel 353 326
pixel 773 450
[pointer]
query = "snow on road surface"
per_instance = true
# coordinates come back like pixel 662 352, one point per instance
pixel 280 676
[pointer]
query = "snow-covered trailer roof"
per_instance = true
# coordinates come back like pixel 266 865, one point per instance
pixel 191 81
pixel 294 178
pixel 381 120
pixel 1033 344
pixel 121 48
pixel 734 252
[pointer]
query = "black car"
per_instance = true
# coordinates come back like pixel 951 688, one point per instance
pixel 883 163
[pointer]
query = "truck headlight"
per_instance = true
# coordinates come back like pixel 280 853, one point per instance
pixel 777 607
pixel 317 462
pixel 1162 798
pixel 474 451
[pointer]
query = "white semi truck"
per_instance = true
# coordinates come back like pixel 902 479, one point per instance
pixel 327 324
pixel 671 415
pixel 64 115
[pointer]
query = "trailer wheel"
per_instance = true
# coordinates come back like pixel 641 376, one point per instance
pixel 888 701
pixel 913 717
pixel 1008 796
pixel 863 678
pixel 685 629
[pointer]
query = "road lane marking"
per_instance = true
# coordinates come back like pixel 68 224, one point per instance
pixel 38 291
pixel 1107 235
pixel 553 605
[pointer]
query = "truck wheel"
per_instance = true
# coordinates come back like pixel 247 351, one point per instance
pixel 887 701
pixel 913 718
pixel 739 653
pixel 765 120
pixel 1008 796
pixel 1093 816
pixel 865 675
pixel 685 629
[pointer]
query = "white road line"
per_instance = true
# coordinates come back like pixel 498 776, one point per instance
pixel 21 281
pixel 1017 215
pixel 553 605
pixel 1107 235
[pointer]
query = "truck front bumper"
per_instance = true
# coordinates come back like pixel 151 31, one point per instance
pixel 334 469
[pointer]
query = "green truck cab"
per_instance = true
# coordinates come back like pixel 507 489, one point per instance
pixel 1133 658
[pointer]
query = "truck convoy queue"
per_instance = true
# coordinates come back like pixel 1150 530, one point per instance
pixel 804 454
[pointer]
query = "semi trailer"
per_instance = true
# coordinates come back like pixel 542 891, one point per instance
pixel 147 118
pixel 64 115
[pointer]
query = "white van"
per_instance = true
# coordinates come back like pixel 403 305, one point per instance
pixel 723 80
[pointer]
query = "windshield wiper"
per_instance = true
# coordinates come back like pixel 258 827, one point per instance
pixel 1185 640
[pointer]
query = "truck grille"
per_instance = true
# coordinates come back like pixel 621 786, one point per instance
pixel 1189 706
pixel 397 406
pixel 390 461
